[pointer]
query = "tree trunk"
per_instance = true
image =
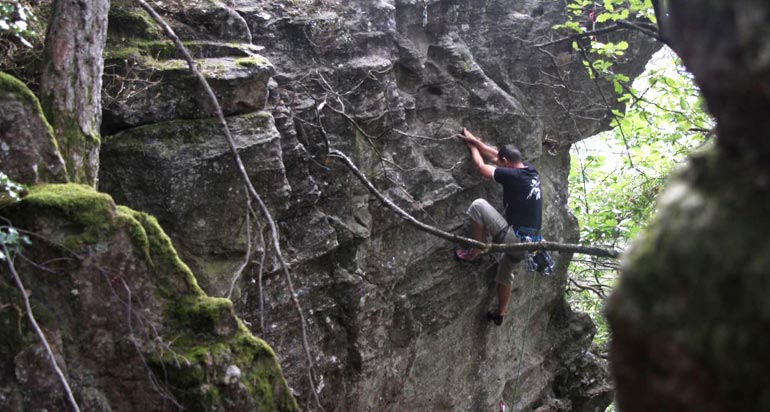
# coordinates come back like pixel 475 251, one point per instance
pixel 690 317
pixel 72 81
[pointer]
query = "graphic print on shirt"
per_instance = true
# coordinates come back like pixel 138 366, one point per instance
pixel 534 189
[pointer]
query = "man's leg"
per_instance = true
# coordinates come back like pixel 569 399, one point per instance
pixel 477 233
pixel 504 281
pixel 483 218
pixel 503 296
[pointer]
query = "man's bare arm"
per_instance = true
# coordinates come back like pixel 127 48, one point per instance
pixel 487 151
pixel 484 169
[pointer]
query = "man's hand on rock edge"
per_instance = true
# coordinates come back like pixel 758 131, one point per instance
pixel 468 137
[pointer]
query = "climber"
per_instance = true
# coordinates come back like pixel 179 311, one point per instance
pixel 522 208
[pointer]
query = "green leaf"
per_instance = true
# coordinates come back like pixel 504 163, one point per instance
pixel 622 78
pixel 604 17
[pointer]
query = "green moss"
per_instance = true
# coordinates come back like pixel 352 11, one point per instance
pixel 12 85
pixel 205 337
pixel 131 22
pixel 250 61
pixel 131 53
pixel 139 239
pixel 196 370
pixel 173 275
pixel 90 212
pixel 261 118
pixel 204 313
pixel 172 64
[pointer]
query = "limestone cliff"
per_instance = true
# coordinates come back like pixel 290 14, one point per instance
pixel 395 323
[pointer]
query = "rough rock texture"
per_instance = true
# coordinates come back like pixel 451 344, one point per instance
pixel 128 324
pixel 28 150
pixel 395 324
pixel 240 82
pixel 191 163
pixel 690 316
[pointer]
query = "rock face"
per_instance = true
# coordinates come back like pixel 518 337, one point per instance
pixel 127 322
pixel 191 163
pixel 395 324
pixel 690 317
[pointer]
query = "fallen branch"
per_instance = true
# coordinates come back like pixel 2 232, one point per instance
pixel 465 241
pixel 247 181
pixel 40 334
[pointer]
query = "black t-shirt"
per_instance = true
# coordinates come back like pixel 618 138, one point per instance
pixel 522 197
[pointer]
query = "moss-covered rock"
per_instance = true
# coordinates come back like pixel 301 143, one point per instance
pixel 128 21
pixel 29 152
pixel 129 325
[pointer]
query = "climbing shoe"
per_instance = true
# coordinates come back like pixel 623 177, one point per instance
pixel 465 255
pixel 494 317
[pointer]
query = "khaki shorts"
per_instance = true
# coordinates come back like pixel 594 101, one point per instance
pixel 496 227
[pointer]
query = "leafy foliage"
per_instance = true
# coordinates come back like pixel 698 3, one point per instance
pixel 10 239
pixel 22 35
pixel 589 18
pixel 616 176
pixel 9 188
pixel 17 19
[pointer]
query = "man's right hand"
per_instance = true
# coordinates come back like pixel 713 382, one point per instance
pixel 468 137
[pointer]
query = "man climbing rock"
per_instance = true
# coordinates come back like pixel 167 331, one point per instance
pixel 522 211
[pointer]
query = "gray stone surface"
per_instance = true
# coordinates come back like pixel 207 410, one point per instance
pixel 199 197
pixel 142 90
pixel 395 324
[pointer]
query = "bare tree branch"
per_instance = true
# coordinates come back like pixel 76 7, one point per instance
pixel 648 29
pixel 620 25
pixel 40 334
pixel 485 247
pixel 598 290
